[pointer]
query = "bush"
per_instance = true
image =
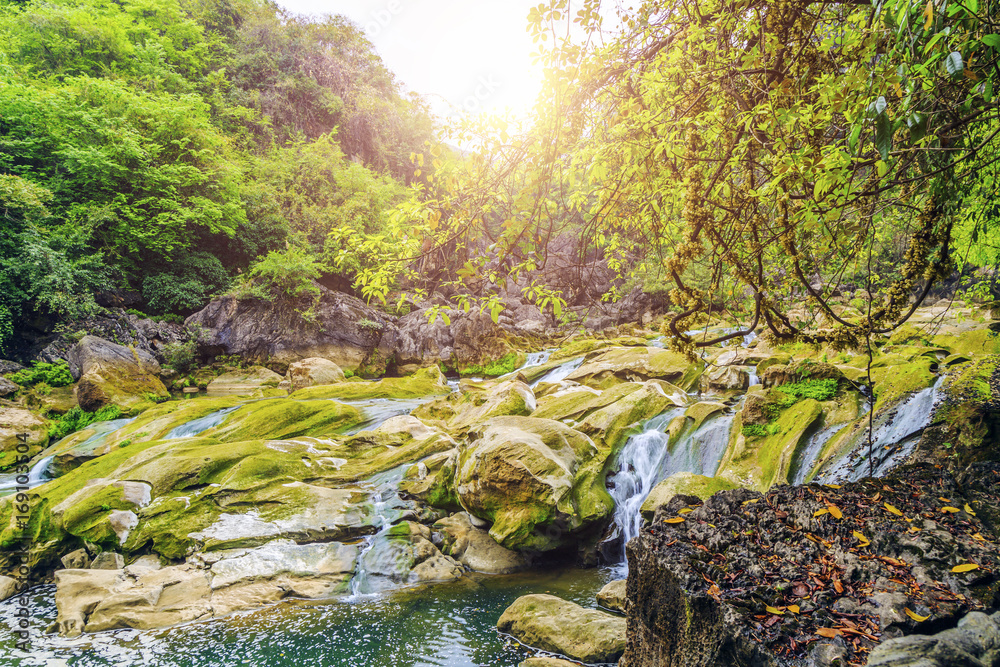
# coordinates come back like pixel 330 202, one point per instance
pixel 76 419
pixel 179 356
pixel 820 390
pixel 54 375
pixel 289 273
pixel 187 285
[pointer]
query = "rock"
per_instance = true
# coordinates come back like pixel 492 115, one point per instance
pixel 14 447
pixel 112 374
pixel 405 555
pixel 244 381
pixel 611 424
pixel 280 418
pixel 470 338
pixel 108 560
pixel 8 587
pixel 682 483
pixel 76 560
pixel 677 617
pixel 474 548
pixel 728 378
pixel 553 624
pixel 433 481
pixel 631 364
pixel 460 410
pixel 547 662
pixel 539 481
pixel 612 596
pixel 313 371
pixel 7 387
pixel 975 642
pixel 778 374
pixel 344 330
pixel 424 382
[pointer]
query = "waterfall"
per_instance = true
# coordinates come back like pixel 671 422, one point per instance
pixel 537 358
pixel 647 459
pixel 560 372
pixel 376 411
pixel 388 507
pixel 893 440
pixel 38 474
pixel 196 426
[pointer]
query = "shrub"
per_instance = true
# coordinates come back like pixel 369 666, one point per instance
pixel 54 375
pixel 179 356
pixel 820 390
pixel 76 419
pixel 186 285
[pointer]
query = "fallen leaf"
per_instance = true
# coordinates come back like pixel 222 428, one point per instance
pixel 752 500
pixel 914 615
pixel 892 510
pixel 794 608
pixel 837 586
pixel 686 510
pixel 913 529
pixel 829 633
pixel 861 538
pixel 944 500
pixel 967 567
pixel 820 512
pixel 714 591
pixel 676 519
pixel 968 510
pixel 832 486
pixel 950 510
pixel 774 610
pixel 835 511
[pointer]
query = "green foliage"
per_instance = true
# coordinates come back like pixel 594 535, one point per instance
pixel 290 273
pixel 820 390
pixel 186 284
pixel 759 430
pixel 76 419
pixel 179 356
pixel 348 373
pixel 502 366
pixel 53 375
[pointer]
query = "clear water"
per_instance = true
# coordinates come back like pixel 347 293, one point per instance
pixel 560 372
pixel 38 474
pixel 377 411
pixel 197 426
pixel 451 625
pixel 371 576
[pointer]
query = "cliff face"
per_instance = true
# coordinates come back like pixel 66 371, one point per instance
pixel 812 574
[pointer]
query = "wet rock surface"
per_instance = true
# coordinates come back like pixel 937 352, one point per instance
pixel 975 642
pixel 552 624
pixel 812 573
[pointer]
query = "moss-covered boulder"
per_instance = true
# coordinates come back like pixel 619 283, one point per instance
pixel 405 555
pixel 112 374
pixel 244 381
pixel 23 435
pixel 537 481
pixel 622 364
pixel 612 423
pixel 433 481
pixel 279 419
pixel 428 381
pixel 682 483
pixel 553 624
pixel 474 548
pixel 460 410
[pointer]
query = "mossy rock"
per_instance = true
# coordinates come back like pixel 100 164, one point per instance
pixel 761 462
pixel 459 410
pixel 976 342
pixel 682 483
pixel 623 364
pixel 895 381
pixel 15 421
pixel 433 481
pixel 278 419
pixel 425 382
pixel 613 423
pixel 244 381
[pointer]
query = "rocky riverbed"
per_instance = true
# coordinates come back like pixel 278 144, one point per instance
pixel 313 485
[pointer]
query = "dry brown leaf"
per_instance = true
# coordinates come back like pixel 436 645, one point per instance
pixel 829 633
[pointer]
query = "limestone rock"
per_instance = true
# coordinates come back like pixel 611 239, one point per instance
pixel 8 587
pixel 975 642
pixel 16 421
pixel 108 560
pixel 553 624
pixel 76 560
pixel 405 555
pixel 612 596
pixel 7 387
pixel 313 371
pixel 459 411
pixel 244 381
pixel 728 378
pixel 682 483
pixel 619 364
pixel 468 338
pixel 111 374
pixel 474 548
pixel 424 382
pixel 345 330
pixel 537 480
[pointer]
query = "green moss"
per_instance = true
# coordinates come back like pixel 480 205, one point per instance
pixel 425 382
pixel 502 366
pixel 892 383
pixel 278 419
pixel 979 341
pixel 819 390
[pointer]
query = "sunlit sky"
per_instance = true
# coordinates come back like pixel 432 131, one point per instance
pixel 459 54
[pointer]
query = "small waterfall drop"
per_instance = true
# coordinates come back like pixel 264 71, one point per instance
pixel 388 507
pixel 38 474
pixel 196 426
pixel 560 372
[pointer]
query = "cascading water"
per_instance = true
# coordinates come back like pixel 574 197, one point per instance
pixel 892 441
pixel 377 411
pixel 196 426
pixel 38 474
pixel 387 508
pixel 646 460
pixel 560 372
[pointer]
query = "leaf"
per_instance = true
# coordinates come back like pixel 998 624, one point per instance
pixel 835 511
pixel 861 538
pixel 967 567
pixel 829 633
pixel 832 486
pixel 950 510
pixel 892 510
pixel 914 615
pixel 775 611
pixel 838 586
pixel 820 512
pixel 794 608
pixel 676 519
pixel 992 40
pixel 929 15
pixel 953 63
pixel 883 135
pixel 968 510
pixel 686 510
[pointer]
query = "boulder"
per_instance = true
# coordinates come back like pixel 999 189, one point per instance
pixel 244 381
pixel 112 374
pixel 7 387
pixel 23 435
pixel 428 381
pixel 313 371
pixel 538 481
pixel 405 554
pixel 460 410
pixel 344 330
pixel 433 481
pixel 8 587
pixel 466 339
pixel 541 661
pixel 474 548
pixel 728 378
pixel 108 560
pixel 976 641
pixel 76 560
pixel 552 624
pixel 637 364
pixel 612 596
